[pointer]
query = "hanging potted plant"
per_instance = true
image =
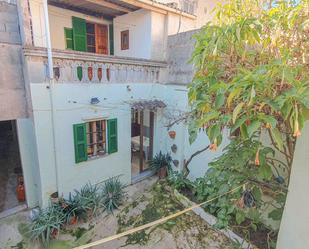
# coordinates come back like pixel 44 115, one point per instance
pixel 172 134
pixel 160 163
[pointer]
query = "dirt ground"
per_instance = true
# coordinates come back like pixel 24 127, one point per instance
pixel 146 201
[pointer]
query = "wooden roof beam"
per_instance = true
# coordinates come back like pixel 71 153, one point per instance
pixel 110 5
pixel 157 7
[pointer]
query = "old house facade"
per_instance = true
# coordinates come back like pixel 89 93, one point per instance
pixel 102 81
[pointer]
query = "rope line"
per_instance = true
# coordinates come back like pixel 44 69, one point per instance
pixel 153 223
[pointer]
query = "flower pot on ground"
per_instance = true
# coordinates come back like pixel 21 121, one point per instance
pixel 54 198
pixel 162 172
pixel 160 163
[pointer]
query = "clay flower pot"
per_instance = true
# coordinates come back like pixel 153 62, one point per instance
pixel 54 198
pixel 73 220
pixel 54 233
pixel 162 172
pixel 172 134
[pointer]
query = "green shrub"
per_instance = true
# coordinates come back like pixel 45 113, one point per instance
pixel 178 180
pixel 112 194
pixel 47 224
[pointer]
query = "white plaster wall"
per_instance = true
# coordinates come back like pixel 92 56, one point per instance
pixel 61 18
pixel 294 228
pixel 177 24
pixel 71 105
pixel 177 102
pixel 28 156
pixel 139 25
pixel 158 36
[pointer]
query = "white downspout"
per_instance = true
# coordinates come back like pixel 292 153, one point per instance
pixel 50 76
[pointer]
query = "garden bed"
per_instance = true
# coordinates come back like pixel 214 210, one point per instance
pixel 243 233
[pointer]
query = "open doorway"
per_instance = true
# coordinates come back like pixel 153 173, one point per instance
pixel 142 130
pixel 12 191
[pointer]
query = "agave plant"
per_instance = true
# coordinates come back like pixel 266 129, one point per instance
pixel 113 194
pixel 87 199
pixel 46 225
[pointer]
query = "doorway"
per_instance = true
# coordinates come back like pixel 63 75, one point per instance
pixel 142 133
pixel 12 191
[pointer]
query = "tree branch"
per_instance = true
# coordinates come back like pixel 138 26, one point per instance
pixel 186 164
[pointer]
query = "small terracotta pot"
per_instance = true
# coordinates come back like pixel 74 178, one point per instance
pixel 54 198
pixel 162 172
pixel 172 134
pixel 73 220
pixel 54 233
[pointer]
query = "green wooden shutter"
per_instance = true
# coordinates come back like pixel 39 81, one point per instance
pixel 112 136
pixel 68 34
pixel 80 142
pixel 111 39
pixel 79 34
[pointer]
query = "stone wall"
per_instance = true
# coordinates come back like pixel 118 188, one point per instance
pixel 179 51
pixel 12 87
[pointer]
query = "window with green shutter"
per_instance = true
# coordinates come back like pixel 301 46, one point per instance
pixel 68 34
pixel 112 136
pixel 79 34
pixel 111 39
pixel 80 142
pixel 90 139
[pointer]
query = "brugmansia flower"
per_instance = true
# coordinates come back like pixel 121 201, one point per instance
pixel 297 132
pixel 213 146
pixel 257 160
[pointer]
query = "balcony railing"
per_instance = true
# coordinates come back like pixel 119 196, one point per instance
pixel 81 67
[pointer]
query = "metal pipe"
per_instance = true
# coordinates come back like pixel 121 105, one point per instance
pixel 51 84
pixel 48 43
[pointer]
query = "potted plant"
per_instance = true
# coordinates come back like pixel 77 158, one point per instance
pixel 160 163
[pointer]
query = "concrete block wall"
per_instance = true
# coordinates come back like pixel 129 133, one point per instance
pixel 179 51
pixel 12 87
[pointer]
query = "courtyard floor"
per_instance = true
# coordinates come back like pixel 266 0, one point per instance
pixel 146 201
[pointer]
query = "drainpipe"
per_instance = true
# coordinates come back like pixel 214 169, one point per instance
pixel 50 76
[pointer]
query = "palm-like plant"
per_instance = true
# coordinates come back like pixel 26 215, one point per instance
pixel 160 160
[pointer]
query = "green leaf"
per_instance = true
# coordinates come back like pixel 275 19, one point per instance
pixel 265 172
pixel 276 214
pixel 238 123
pixel 254 214
pixel 192 130
pixel 243 131
pixel 270 120
pixel 257 193
pixel 240 217
pixel 253 127
pixel 234 93
pixel 237 111
pixel 219 100
pixel 252 95
pixel 213 132
pixel 277 137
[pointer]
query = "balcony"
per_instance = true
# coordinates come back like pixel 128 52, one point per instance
pixel 83 67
